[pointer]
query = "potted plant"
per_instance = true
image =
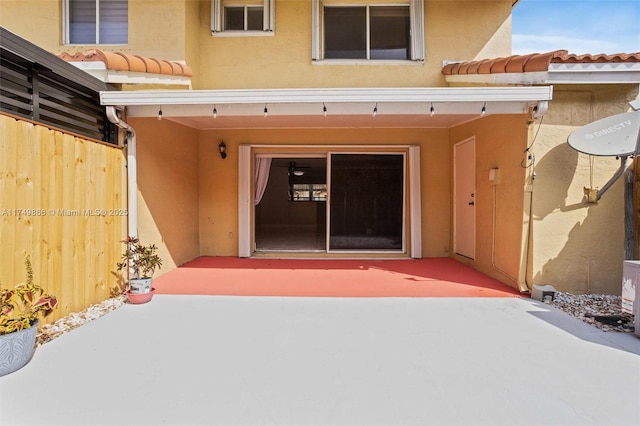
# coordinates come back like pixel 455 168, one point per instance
pixel 140 261
pixel 19 312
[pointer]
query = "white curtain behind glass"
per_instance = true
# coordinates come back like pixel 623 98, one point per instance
pixel 263 166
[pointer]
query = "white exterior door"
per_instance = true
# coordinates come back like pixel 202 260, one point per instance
pixel 464 209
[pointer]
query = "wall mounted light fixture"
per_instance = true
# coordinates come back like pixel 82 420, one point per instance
pixel 483 111
pixel 432 110
pixel 223 150
pixel 266 111
pixel 375 110
pixel 215 112
pixel 324 109
pixel 160 114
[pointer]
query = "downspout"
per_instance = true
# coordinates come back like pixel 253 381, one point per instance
pixel 524 283
pixel 523 276
pixel 525 247
pixel 524 286
pixel 132 182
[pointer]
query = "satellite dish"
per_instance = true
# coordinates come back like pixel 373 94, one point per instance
pixel 612 136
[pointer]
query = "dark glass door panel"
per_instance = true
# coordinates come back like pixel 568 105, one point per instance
pixel 366 201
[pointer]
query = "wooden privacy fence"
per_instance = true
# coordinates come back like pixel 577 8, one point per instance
pixel 62 202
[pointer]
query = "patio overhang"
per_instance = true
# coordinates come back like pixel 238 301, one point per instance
pixel 442 107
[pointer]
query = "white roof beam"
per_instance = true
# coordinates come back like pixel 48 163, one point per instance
pixel 346 95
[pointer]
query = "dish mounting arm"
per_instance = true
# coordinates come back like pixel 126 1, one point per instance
pixel 614 178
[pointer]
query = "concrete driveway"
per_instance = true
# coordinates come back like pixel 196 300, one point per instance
pixel 205 360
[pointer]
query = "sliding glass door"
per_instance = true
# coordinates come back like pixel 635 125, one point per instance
pixel 339 202
pixel 291 204
pixel 366 211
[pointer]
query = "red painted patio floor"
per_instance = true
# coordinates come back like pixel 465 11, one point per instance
pixel 434 277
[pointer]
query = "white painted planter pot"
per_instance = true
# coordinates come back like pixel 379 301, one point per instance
pixel 140 285
pixel 16 349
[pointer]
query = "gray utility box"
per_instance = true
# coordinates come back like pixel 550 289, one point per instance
pixel 631 291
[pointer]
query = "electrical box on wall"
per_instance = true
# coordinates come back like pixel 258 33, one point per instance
pixel 493 176
pixel 631 291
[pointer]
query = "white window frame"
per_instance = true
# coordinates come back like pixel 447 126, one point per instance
pixel 416 19
pixel 245 14
pixel 268 19
pixel 66 15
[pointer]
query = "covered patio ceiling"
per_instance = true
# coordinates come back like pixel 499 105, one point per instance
pixel 330 108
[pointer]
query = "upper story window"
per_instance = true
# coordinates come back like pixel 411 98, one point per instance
pixel 96 21
pixel 367 32
pixel 360 31
pixel 242 17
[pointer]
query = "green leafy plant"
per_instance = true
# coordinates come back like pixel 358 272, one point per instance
pixel 20 307
pixel 141 260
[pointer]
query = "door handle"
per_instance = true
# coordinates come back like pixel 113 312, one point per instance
pixel 471 203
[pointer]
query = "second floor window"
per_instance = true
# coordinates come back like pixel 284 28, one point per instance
pixel 96 21
pixel 242 17
pixel 367 32
pixel 356 30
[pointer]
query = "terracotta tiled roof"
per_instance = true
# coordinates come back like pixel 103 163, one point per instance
pixel 534 62
pixel 119 61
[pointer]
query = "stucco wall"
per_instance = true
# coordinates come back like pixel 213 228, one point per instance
pixel 168 189
pixel 43 26
pixel 467 30
pixel 579 247
pixel 500 143
pixel 193 22
pixel 180 30
pixel 454 30
pixel 219 179
pixel 156 28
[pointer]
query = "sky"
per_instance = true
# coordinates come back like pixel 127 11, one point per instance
pixel 579 26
